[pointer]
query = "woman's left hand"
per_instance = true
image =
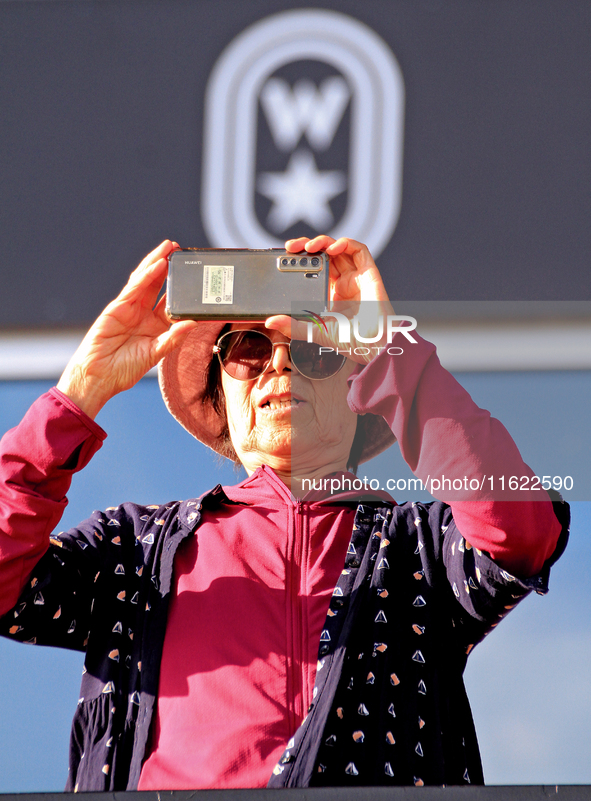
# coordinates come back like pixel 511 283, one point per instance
pixel 356 290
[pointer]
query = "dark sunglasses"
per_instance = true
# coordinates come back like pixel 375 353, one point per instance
pixel 246 355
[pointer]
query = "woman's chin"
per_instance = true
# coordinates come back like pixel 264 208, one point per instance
pixel 288 449
pixel 271 447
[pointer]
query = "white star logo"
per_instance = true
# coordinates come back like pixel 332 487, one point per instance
pixel 301 193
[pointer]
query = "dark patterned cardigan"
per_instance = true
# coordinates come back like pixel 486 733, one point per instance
pixel 389 701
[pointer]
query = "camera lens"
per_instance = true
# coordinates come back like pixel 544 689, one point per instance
pixel 294 261
pixel 303 262
pixel 284 262
pixel 315 262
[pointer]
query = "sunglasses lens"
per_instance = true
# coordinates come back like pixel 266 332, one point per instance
pixel 312 363
pixel 245 354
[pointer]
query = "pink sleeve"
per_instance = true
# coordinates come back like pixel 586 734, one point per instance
pixel 443 434
pixel 37 460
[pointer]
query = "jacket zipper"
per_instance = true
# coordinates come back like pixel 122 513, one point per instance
pixel 295 661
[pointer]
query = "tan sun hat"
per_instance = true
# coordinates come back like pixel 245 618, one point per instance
pixel 183 378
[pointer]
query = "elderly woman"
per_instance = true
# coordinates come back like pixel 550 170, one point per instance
pixel 260 634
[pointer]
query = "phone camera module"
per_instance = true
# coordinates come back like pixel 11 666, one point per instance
pixel 315 261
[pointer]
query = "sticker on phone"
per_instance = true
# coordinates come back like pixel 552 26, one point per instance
pixel 218 284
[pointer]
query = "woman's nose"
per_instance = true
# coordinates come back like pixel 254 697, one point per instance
pixel 281 360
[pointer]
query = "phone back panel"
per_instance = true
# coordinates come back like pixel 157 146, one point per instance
pixel 243 285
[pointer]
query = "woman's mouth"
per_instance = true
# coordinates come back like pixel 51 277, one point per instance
pixel 282 403
pixel 275 403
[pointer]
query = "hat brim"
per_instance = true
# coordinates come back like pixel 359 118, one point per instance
pixel 182 376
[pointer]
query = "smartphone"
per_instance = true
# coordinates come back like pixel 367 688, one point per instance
pixel 243 285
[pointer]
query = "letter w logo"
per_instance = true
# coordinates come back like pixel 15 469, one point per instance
pixel 305 109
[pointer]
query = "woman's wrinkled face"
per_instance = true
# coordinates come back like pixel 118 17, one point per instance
pixel 287 421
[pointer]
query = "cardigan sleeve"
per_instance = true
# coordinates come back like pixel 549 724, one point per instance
pixel 37 461
pixel 444 436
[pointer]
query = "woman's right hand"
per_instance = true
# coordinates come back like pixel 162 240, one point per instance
pixel 356 291
pixel 129 338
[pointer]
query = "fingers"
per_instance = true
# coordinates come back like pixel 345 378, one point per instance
pixel 357 251
pixel 173 338
pixel 175 332
pixel 280 322
pixel 137 300
pixel 353 271
pixel 296 245
pixel 160 312
pixel 350 256
pixel 145 284
pixel 289 327
pixel 324 242
pixel 321 242
pixel 334 247
pixel 153 262
pixel 160 252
